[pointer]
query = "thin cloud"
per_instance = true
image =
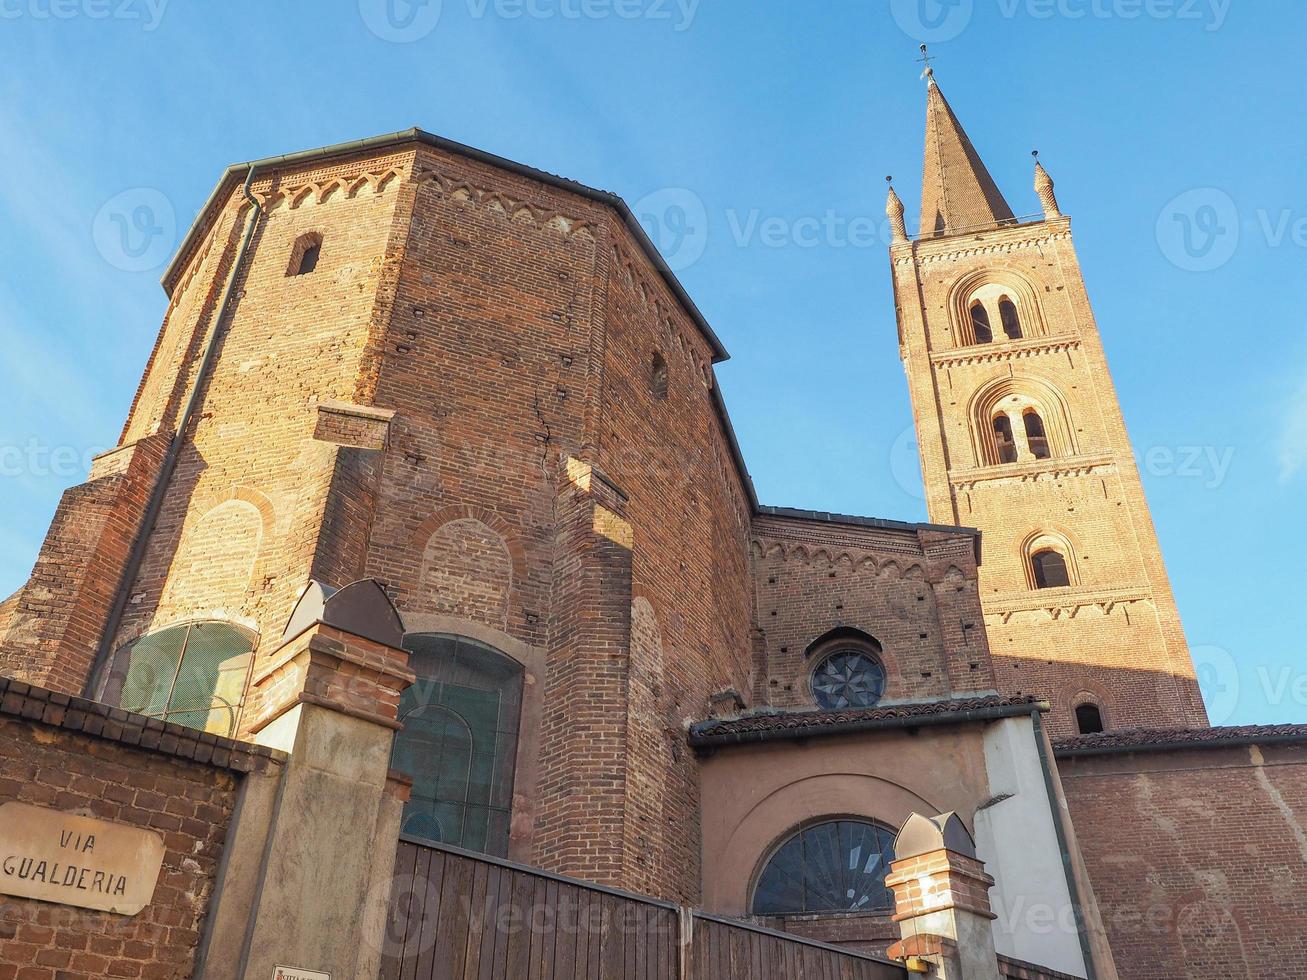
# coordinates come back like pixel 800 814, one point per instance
pixel 1293 435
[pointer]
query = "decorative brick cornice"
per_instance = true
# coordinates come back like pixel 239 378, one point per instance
pixel 1004 351
pixel 96 720
pixel 1031 471
pixel 938 881
pixel 1069 601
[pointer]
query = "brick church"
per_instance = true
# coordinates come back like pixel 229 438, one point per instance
pixel 424 622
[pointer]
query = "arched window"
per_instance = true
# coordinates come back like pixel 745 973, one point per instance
pixel 836 866
pixel 304 256
pixel 1050 569
pixel 1007 446
pixel 848 677
pixel 980 327
pixel 1036 437
pixel 459 741
pixel 658 377
pixel 1089 720
pixel 1007 311
pixel 193 675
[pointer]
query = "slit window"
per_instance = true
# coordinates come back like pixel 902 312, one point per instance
pixel 658 378
pixel 1006 445
pixel 980 327
pixel 304 256
pixel 1007 311
pixel 1036 437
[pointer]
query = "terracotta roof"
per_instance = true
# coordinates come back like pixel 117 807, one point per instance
pixel 97 720
pixel 762 726
pixel 1162 739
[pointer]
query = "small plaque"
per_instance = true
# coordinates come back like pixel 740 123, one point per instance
pixel 294 973
pixel 80 861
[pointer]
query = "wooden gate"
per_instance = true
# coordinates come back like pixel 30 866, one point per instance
pixel 461 916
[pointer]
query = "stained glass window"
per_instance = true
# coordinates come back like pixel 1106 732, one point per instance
pixel 459 741
pixel 838 866
pixel 194 675
pixel 848 679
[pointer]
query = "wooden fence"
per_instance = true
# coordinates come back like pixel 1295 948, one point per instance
pixel 461 916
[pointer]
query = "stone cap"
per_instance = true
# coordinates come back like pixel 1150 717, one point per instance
pixel 97 720
pixel 361 608
pixel 925 835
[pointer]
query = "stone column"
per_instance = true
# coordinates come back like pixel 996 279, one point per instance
pixel 941 898
pixel 308 881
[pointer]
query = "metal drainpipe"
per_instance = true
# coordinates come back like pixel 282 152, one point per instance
pixel 160 489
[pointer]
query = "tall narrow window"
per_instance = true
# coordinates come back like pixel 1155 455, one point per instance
pixel 1007 447
pixel 304 256
pixel 980 327
pixel 193 675
pixel 1050 570
pixel 459 741
pixel 1089 720
pixel 1036 438
pixel 658 378
pixel 1011 322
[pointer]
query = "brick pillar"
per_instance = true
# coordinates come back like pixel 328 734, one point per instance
pixel 582 802
pixel 58 617
pixel 309 866
pixel 941 899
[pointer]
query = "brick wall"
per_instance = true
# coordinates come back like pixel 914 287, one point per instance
pixel 911 589
pixel 1198 856
pixel 74 756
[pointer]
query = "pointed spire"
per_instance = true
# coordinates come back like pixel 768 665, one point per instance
pixel 894 211
pixel 957 192
pixel 1044 188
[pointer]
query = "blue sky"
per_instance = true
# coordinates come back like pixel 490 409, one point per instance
pixel 759 133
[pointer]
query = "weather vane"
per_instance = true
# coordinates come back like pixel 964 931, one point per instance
pixel 926 59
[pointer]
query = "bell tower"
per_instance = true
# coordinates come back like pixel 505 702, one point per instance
pixel 1021 436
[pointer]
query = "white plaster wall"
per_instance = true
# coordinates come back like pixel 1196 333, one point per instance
pixel 1017 840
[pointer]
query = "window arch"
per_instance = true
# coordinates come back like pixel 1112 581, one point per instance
pixel 829 867
pixel 193 674
pixel 658 377
pixel 1008 300
pixel 981 331
pixel 1007 311
pixel 459 742
pixel 1037 421
pixel 1089 718
pixel 305 254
